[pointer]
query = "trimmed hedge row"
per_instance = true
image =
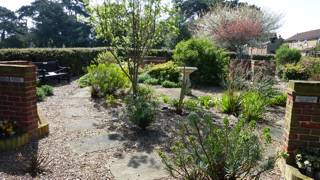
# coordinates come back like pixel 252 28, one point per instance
pixel 76 58
pixel 79 58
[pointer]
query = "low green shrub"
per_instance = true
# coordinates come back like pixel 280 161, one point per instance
pixel 143 77
pixel 166 71
pixel 142 109
pixel 41 95
pixel 105 79
pixel 204 55
pixel 253 106
pixel 169 84
pixel 312 66
pixel 267 57
pixel 165 98
pixel 151 81
pixel 285 55
pixel 295 72
pixel 202 150
pixel 48 90
pixel 207 101
pixel 105 58
pixel 230 103
pixel 84 81
pixel 191 105
pixel 279 99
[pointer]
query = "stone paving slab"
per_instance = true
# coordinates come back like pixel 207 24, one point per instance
pixel 82 124
pixel 97 143
pixel 138 166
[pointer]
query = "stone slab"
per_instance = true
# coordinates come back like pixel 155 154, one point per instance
pixel 82 124
pixel 97 143
pixel 138 166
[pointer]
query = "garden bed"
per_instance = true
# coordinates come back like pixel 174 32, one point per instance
pixel 76 120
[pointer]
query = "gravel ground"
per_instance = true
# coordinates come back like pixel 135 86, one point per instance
pixel 70 104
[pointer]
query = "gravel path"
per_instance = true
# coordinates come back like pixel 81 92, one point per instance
pixel 80 126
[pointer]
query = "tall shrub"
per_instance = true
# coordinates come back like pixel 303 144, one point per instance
pixel 204 55
pixel 285 55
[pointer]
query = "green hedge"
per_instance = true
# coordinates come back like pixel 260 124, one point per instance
pixel 76 58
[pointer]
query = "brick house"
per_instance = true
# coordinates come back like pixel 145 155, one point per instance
pixel 304 41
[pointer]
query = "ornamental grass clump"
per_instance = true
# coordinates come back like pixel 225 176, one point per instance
pixel 253 106
pixel 204 150
pixel 230 103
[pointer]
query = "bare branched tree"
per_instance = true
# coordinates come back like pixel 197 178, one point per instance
pixel 235 27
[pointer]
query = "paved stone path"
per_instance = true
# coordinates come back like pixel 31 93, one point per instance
pixel 131 166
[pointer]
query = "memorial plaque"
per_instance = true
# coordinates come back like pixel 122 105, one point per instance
pixel 307 99
pixel 11 79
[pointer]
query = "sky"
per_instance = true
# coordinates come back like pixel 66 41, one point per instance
pixel 298 15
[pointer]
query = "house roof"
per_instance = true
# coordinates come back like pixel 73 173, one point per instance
pixel 309 35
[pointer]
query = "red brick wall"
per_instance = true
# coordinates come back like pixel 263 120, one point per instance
pixel 302 120
pixel 18 94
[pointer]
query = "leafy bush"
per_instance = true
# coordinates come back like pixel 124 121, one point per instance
pixel 207 101
pixel 191 104
pixel 105 58
pixel 209 60
pixel 285 55
pixel 312 66
pixel 253 106
pixel 279 99
pixel 169 84
pixel 151 81
pixel 166 71
pixel 230 103
pixel 165 99
pixel 263 57
pixel 143 77
pixel 141 109
pixel 84 81
pixel 48 90
pixel 295 72
pixel 203 150
pixel 105 79
pixel 41 95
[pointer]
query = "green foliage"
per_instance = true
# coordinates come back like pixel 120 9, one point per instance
pixel 41 95
pixel 263 57
pixel 202 150
pixel 43 91
pixel 151 81
pixel 143 77
pixel 111 101
pixel 48 90
pixel 166 71
pixel 107 78
pixel 105 58
pixel 207 101
pixel 191 105
pixel 169 84
pixel 295 72
pixel 312 66
pixel 209 60
pixel 230 103
pixel 279 99
pixel 165 98
pixel 253 106
pixel 285 55
pixel 141 109
pixel 84 81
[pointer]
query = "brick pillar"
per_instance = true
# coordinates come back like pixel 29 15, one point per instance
pixel 302 119
pixel 18 94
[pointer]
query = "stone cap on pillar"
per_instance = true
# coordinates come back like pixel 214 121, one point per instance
pixel 309 88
